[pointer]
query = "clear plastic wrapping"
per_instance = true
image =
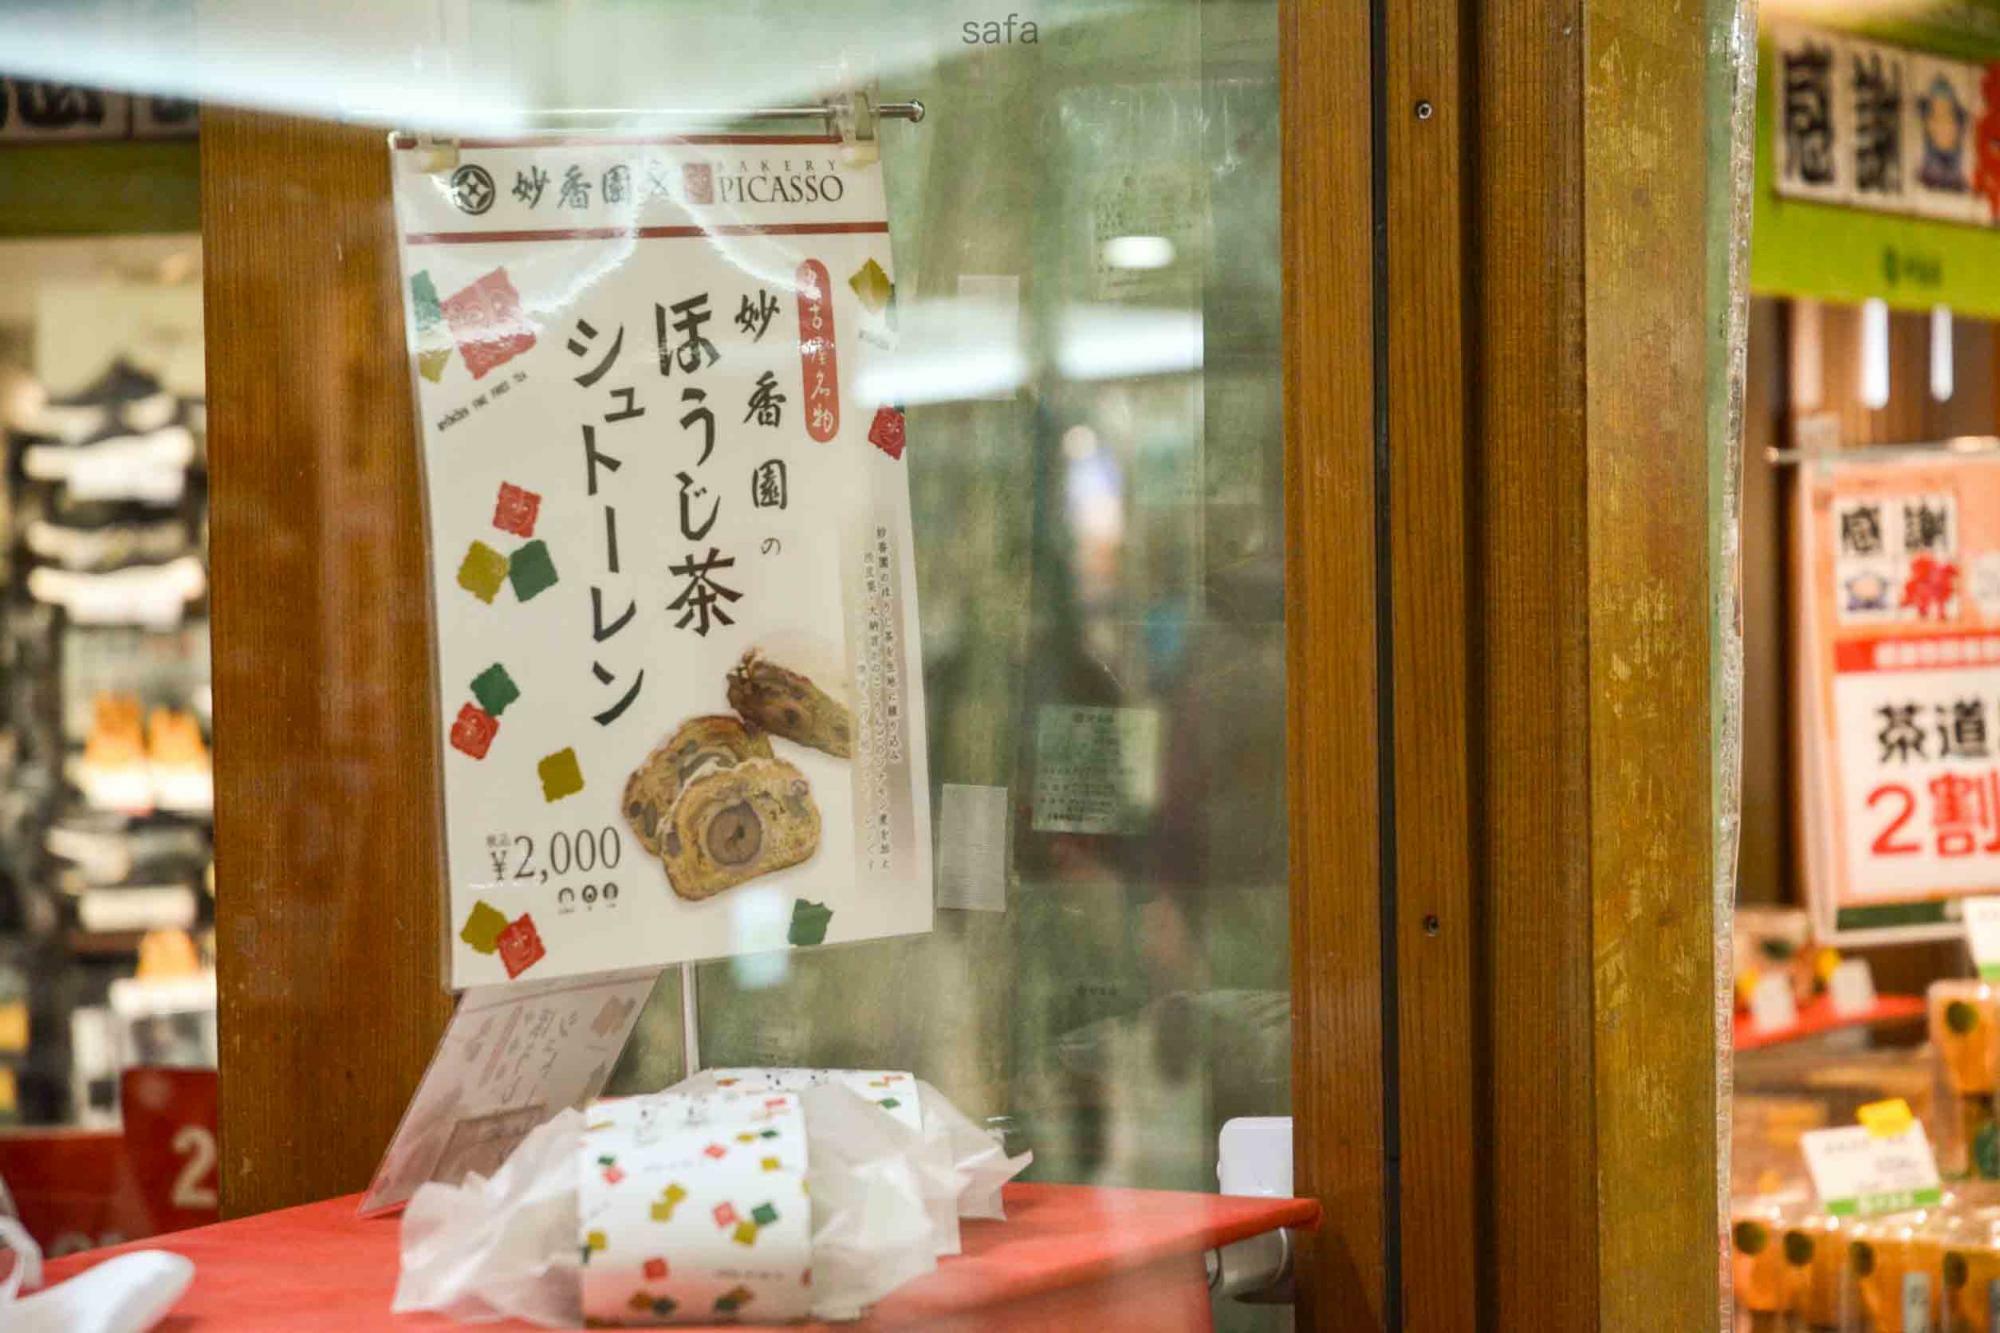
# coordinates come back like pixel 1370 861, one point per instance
pixel 888 1180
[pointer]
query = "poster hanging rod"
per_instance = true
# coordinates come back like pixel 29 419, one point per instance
pixel 912 111
pixel 1958 444
pixel 858 112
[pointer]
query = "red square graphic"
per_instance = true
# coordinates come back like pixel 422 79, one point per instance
pixel 516 510
pixel 474 731
pixel 488 323
pixel 520 946
pixel 886 431
pixel 656 1270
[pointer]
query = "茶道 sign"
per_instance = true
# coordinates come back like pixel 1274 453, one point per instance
pixel 671 551
pixel 1899 564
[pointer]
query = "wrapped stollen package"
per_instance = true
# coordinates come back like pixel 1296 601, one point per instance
pixel 747 1196
pixel 961 1166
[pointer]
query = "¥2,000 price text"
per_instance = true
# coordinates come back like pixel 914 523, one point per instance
pixel 520 858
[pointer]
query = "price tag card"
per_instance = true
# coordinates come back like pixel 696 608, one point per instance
pixel 1773 1007
pixel 1982 935
pixel 1852 987
pixel 1859 1172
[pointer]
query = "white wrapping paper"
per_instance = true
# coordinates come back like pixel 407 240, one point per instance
pixel 753 1196
pixel 695 1207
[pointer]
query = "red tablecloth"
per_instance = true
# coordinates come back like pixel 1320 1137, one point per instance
pixel 1067 1254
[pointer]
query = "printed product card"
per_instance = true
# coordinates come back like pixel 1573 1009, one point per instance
pixel 1859 1172
pixel 511 1058
pixel 1900 692
pixel 693 1209
pixel 682 708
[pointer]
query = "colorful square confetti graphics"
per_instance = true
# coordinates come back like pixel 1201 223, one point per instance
pixel 741 1239
pixel 482 571
pixel 495 689
pixel 488 323
pixel 516 510
pixel 809 923
pixel 482 927
pixel 871 283
pixel 887 431
pixel 658 1306
pixel 670 1199
pixel 433 340
pixel 769 1163
pixel 531 571
pixel 520 946
pixel 474 731
pixel 560 775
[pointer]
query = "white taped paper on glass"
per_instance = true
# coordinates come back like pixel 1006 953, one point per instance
pixel 693 1209
pixel 1097 770
pixel 972 848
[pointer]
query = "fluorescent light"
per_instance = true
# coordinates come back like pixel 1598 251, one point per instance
pixel 1941 354
pixel 1874 354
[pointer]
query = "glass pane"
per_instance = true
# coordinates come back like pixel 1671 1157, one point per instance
pixel 1086 237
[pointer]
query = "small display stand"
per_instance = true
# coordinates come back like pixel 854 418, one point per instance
pixel 1818 1017
pixel 1066 1257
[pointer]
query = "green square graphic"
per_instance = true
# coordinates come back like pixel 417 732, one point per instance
pixel 495 689
pixel 809 922
pixel 764 1214
pixel 531 570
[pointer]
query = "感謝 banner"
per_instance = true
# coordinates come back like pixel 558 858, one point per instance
pixel 681 712
pixel 1899 698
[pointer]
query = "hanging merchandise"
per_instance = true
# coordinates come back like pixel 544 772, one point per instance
pixel 681 714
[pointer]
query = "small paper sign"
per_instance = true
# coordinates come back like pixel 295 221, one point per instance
pixel 511 1057
pixel 1982 935
pixel 1851 988
pixel 1773 1007
pixel 1859 1173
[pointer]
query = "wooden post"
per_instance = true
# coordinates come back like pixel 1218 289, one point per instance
pixel 326 833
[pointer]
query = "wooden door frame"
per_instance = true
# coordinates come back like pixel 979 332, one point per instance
pixel 1501 776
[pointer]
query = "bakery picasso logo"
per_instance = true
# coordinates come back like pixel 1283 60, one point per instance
pixel 762 181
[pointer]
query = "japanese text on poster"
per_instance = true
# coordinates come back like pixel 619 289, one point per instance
pixel 671 551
